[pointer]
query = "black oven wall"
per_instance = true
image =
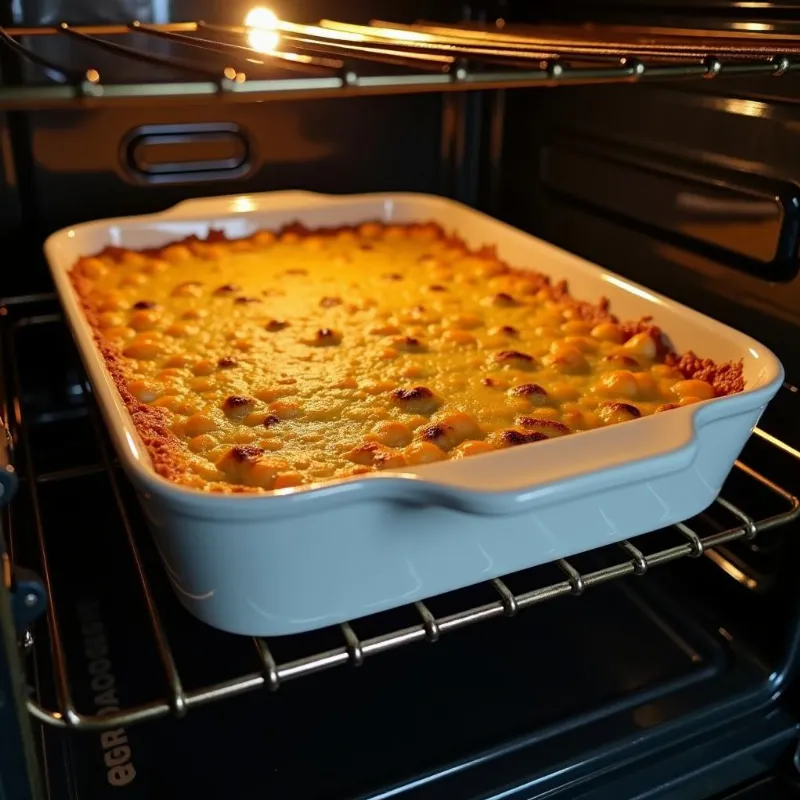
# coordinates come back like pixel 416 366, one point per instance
pixel 691 193
pixel 132 161
pixel 690 188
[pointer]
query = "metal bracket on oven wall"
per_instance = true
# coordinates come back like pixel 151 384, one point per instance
pixel 186 153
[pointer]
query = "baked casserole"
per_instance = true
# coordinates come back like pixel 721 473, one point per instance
pixel 299 356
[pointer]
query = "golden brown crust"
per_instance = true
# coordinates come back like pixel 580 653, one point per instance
pixel 168 453
pixel 725 378
pixel 164 447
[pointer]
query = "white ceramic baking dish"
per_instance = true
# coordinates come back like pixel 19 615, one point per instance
pixel 299 559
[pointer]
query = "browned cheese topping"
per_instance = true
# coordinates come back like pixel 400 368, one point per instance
pixel 300 356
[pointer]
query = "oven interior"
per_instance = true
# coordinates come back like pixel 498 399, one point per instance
pixel 660 668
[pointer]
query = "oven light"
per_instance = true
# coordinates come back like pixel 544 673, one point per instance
pixel 260 17
pixel 262 35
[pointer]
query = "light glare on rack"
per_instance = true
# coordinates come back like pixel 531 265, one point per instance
pixel 262 35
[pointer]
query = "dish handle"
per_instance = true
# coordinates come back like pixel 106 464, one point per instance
pixel 591 461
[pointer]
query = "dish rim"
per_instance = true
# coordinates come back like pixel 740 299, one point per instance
pixel 422 481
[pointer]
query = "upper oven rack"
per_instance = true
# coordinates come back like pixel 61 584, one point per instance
pixel 629 559
pixel 204 61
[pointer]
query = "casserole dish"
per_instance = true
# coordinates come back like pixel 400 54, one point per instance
pixel 304 558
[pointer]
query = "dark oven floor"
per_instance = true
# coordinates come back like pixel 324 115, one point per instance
pixel 573 676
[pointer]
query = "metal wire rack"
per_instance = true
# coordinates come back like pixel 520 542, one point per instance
pixel 200 60
pixel 266 671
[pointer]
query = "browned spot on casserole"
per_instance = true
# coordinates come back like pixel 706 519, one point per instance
pixel 611 408
pixel 434 432
pixel 549 427
pixel 246 453
pixel 513 438
pixel 512 355
pixel 237 401
pixel 327 337
pixel 417 393
pixel 528 390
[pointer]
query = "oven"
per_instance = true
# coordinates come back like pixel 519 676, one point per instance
pixel 653 138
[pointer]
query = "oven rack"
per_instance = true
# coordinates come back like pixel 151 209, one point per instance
pixel 267 672
pixel 335 59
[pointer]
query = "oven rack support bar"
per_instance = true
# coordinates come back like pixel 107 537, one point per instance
pixel 338 66
pixel 227 75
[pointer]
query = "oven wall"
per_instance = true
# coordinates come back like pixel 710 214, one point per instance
pixel 131 161
pixel 690 188
pixel 694 195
